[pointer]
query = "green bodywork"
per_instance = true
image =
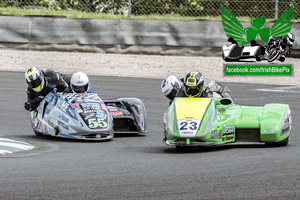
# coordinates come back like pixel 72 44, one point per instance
pixel 223 122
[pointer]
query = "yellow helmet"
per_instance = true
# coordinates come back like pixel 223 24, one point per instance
pixel 194 83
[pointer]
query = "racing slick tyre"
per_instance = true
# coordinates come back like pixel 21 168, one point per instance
pixel 38 133
pixel 278 144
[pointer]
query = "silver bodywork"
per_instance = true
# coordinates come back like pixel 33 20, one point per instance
pixel 76 116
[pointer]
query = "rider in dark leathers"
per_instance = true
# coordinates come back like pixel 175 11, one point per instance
pixel 193 86
pixel 40 83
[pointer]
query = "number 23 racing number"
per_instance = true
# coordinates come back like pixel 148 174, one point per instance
pixel 188 126
pixel 97 123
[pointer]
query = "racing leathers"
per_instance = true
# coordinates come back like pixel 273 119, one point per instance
pixel 53 80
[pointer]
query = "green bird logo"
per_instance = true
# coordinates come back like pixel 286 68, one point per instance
pixel 235 29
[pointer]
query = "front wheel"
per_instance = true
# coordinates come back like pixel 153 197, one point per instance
pixel 38 133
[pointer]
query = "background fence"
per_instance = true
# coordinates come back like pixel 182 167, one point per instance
pixel 270 9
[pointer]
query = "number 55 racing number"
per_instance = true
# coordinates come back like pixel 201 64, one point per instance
pixel 97 123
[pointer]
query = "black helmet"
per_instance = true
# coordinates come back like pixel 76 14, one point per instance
pixel 193 83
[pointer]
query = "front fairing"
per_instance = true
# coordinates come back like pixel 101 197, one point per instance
pixel 87 109
pixel 205 121
pixel 77 116
pixel 198 121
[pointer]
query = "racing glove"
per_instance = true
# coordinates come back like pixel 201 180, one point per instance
pixel 33 104
pixel 27 106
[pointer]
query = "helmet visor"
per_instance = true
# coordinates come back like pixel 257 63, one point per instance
pixel 191 82
pixel 194 92
pixel 35 83
pixel 79 89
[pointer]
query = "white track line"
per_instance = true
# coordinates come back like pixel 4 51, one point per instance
pixel 289 89
pixel 6 146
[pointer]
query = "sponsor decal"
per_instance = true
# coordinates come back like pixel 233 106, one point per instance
pixel 91 111
pixel 64 118
pixel 268 131
pixel 64 105
pixel 116 113
pixel 89 116
pixel 76 105
pixel 71 113
pixel 49 96
pixel 90 106
pixel 189 119
pixel 70 104
pixel 227 138
pixel 111 108
pixel 185 132
pixel 51 123
pixel 216 134
pixel 60 123
pixel 101 115
pixel 228 130
pixel 103 106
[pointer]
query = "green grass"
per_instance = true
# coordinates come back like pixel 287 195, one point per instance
pixel 67 13
pixel 79 14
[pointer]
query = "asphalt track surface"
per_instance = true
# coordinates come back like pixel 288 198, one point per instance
pixel 142 167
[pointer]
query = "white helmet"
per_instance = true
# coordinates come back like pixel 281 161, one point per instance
pixel 170 86
pixel 291 38
pixel 79 82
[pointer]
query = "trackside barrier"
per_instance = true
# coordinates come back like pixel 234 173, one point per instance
pixel 199 37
